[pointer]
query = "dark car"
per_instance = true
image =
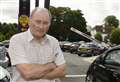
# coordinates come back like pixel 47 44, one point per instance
pixel 105 68
pixel 84 50
pixel 65 45
pixel 90 49
pixel 5 43
pixel 74 47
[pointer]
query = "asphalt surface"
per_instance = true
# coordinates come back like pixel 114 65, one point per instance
pixel 76 67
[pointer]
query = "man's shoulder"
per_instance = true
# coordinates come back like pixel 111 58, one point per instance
pixel 18 36
pixel 51 38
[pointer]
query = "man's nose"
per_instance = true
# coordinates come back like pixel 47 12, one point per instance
pixel 40 26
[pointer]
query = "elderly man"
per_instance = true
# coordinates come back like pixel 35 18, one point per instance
pixel 36 55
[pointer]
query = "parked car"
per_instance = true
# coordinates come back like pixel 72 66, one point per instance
pixel 71 47
pixel 74 47
pixel 4 56
pixel 65 45
pixel 105 68
pixel 84 50
pixel 4 75
pixel 5 43
pixel 90 49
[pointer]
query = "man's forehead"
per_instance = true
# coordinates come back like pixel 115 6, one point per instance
pixel 39 10
pixel 41 13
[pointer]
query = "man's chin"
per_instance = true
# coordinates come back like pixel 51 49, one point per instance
pixel 39 36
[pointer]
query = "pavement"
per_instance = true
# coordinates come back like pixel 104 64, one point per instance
pixel 76 67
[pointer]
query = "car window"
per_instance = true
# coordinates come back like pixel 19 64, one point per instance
pixel 113 56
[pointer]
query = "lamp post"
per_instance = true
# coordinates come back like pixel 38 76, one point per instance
pixel 23 16
pixel 36 3
pixel 47 4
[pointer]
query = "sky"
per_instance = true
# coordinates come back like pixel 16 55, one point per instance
pixel 94 10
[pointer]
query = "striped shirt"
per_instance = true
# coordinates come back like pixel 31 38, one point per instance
pixel 25 49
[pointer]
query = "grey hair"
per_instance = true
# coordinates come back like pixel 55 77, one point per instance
pixel 40 9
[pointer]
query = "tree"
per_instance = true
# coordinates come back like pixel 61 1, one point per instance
pixel 115 36
pixel 7 30
pixel 2 37
pixel 98 36
pixel 111 21
pixel 63 19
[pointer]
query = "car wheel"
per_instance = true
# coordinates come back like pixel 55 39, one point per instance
pixel 88 79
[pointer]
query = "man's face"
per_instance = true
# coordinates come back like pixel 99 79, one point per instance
pixel 39 24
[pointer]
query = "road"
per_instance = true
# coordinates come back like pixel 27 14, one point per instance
pixel 76 66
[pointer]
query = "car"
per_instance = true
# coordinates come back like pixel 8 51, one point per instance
pixel 4 60
pixel 4 56
pixel 85 50
pixel 65 46
pixel 97 48
pixel 4 75
pixel 74 47
pixel 106 67
pixel 90 49
pixel 5 43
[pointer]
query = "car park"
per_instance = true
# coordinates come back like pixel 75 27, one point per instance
pixel 105 68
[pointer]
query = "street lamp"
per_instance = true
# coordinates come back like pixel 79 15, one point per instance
pixel 36 3
pixel 23 17
pixel 47 4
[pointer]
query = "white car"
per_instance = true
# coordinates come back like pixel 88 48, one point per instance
pixel 4 75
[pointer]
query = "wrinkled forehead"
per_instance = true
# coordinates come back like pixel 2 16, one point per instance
pixel 41 16
pixel 39 12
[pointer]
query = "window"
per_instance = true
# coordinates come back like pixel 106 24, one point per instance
pixel 113 56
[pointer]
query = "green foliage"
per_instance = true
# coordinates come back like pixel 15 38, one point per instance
pixel 98 36
pixel 111 21
pixel 115 36
pixel 2 37
pixel 7 30
pixel 63 18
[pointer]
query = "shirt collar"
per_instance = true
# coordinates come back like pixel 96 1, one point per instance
pixel 45 39
pixel 30 37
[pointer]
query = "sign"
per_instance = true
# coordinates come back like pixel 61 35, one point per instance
pixel 23 21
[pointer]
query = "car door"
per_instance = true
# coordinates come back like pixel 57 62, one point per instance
pixel 101 74
pixel 108 70
pixel 105 68
pixel 112 63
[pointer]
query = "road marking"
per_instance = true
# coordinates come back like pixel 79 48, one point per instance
pixel 75 76
pixel 90 59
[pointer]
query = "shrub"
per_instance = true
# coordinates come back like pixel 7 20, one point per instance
pixel 98 36
pixel 115 36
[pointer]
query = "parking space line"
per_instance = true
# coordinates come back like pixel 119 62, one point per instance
pixel 76 76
